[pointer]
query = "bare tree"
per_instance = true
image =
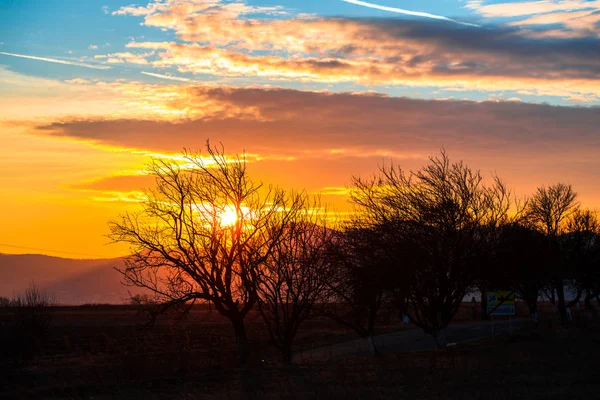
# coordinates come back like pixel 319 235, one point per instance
pixel 580 252
pixel 442 213
pixel 141 299
pixel 204 233
pixel 549 209
pixel 362 280
pixel 296 275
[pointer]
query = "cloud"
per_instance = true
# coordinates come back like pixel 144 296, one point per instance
pixel 118 183
pixel 78 81
pixel 34 99
pixel 92 47
pixel 318 138
pixel 125 57
pixel 226 41
pixel 169 77
pixel 576 23
pixel 194 7
pixel 407 12
pixel 274 121
pixel 524 8
pixel 412 55
pixel 500 98
pixel 106 9
pixel 576 17
pixel 322 138
pixel 57 61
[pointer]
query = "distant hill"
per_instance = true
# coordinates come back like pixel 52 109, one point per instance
pixel 70 281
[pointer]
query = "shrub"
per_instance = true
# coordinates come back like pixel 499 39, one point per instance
pixel 28 326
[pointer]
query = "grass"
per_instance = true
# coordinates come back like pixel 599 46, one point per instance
pixel 105 357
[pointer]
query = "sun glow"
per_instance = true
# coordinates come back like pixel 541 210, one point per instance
pixel 229 216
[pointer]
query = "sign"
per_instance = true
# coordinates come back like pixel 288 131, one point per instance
pixel 503 302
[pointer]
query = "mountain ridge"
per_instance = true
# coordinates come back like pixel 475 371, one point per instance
pixel 70 281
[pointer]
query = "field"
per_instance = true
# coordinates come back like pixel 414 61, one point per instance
pixel 104 352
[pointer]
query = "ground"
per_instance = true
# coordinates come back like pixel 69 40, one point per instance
pixel 102 354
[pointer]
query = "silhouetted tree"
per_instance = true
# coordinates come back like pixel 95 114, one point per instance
pixel 296 275
pixel 442 213
pixel 204 233
pixel 521 262
pixel 580 253
pixel 363 279
pixel 141 299
pixel 31 322
pixel 509 211
pixel 549 209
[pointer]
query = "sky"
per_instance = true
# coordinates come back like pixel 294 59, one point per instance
pixel 313 91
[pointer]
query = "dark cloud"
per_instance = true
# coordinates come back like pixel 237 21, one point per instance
pixel 291 122
pixel 505 51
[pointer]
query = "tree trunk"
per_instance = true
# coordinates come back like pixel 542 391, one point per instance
pixel 286 346
pixel 400 302
pixel 484 304
pixel 241 339
pixel 589 306
pixel 373 307
pixel 532 304
pixel 577 298
pixel 286 351
pixel 372 348
pixel 439 334
pixel 560 294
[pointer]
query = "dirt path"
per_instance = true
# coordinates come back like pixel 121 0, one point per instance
pixel 411 340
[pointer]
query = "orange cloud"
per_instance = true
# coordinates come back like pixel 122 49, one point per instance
pixel 347 127
pixel 119 183
pixel 348 134
pixel 226 39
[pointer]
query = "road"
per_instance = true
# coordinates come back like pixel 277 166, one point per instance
pixel 411 340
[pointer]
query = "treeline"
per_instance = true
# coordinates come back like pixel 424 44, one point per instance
pixel 419 240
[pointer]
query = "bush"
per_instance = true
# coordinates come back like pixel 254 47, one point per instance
pixel 28 324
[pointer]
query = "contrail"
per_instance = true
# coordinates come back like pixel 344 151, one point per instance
pixel 170 77
pixel 407 12
pixel 54 60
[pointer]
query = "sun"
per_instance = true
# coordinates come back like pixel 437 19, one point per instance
pixel 228 217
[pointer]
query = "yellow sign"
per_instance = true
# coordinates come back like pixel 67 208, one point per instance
pixel 501 303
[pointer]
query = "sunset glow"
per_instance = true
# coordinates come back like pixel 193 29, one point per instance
pixel 228 217
pixel 311 93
